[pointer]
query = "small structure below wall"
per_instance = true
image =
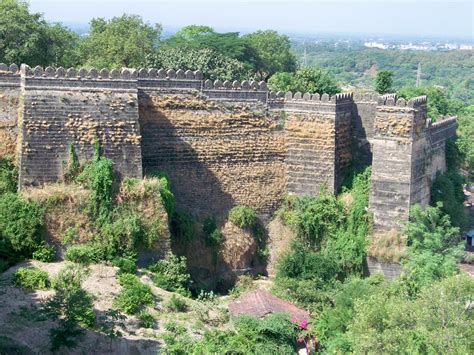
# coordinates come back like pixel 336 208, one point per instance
pixel 389 270
pixel 260 303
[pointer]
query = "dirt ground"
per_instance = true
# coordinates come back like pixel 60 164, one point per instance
pixel 27 328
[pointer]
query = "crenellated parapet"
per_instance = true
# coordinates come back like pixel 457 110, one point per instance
pixel 235 90
pixel 82 79
pixel 307 102
pixel 169 80
pixel 393 100
pixel 441 130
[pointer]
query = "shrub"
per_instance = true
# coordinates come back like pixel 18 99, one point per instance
pixel 171 274
pixel 176 304
pixel 45 253
pixel 85 253
pixel 69 236
pixel 8 175
pixel 212 235
pixel 447 189
pixel 123 235
pixel 134 294
pixel 146 319
pixel 126 264
pixel 20 226
pixel 287 211
pixel 31 278
pixel 98 175
pixel 66 335
pixel 243 216
pixel 70 301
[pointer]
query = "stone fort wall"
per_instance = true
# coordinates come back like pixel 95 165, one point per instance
pixel 221 143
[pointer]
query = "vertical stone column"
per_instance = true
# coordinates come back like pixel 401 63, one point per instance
pixel 399 147
pixel 318 141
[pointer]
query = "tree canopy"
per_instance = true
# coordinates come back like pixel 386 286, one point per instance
pixel 270 53
pixel 123 41
pixel 304 80
pixel 384 82
pixel 27 38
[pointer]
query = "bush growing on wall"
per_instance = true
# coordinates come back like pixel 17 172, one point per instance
pixel 243 216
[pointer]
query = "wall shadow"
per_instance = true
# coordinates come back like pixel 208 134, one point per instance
pixel 362 131
pixel 197 189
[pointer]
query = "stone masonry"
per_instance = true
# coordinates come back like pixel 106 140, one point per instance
pixel 220 143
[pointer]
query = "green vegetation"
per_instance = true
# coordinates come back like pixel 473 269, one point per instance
pixel 304 80
pixel 171 274
pixel 8 175
pixel 274 334
pixel 434 248
pixel 384 82
pixel 212 64
pixel 330 245
pixel 71 306
pixel 373 316
pixel 243 216
pixel 28 38
pixel 30 278
pixel 212 234
pixel 45 253
pixel 182 226
pixel 134 295
pixel 146 319
pixel 357 66
pixel 70 301
pixel 176 304
pixel 438 102
pixel 20 228
pixel 447 189
pixel 126 264
pixel 85 253
pixel 436 322
pixel 122 41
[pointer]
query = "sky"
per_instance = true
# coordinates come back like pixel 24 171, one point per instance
pixel 430 18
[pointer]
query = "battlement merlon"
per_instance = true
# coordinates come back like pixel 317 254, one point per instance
pixel 399 119
pixel 9 76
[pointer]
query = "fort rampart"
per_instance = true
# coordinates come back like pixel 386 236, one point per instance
pixel 221 143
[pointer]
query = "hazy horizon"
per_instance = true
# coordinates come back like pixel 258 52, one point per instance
pixel 440 19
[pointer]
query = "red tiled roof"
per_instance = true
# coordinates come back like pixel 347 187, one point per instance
pixel 259 303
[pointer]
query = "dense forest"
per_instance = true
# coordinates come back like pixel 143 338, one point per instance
pixel 452 70
pixel 101 223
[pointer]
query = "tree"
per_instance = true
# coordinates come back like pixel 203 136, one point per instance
pixel 437 322
pixel 27 38
pixel 227 44
pixel 434 248
pixel 438 103
pixel 270 53
pixel 120 42
pixel 384 81
pixel 304 80
pixel 465 132
pixel 213 64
